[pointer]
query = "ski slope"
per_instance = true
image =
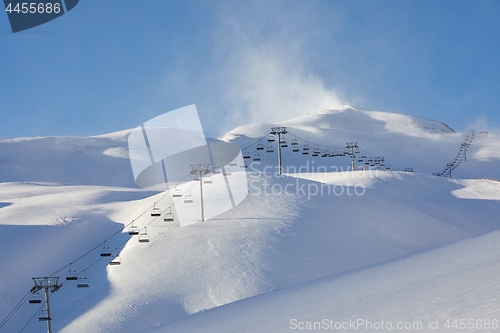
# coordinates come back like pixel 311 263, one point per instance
pixel 378 245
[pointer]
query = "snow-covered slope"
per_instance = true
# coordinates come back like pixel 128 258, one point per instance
pixel 366 235
pixel 100 160
pixel 403 140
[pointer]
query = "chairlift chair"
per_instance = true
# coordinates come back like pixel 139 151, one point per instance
pixel 83 282
pixel 283 143
pixel 246 155
pixel 207 180
pixel 188 198
pixel 295 149
pixel 260 146
pixel 305 149
pixel 325 153
pixel 105 251
pixel 156 211
pixel 294 142
pixel 270 149
pixel 116 260
pixel 256 157
pixel 35 298
pixel 271 138
pixel 144 236
pixel 168 216
pixel 316 152
pixel 43 315
pixel 72 274
pixel 176 193
pixel 134 230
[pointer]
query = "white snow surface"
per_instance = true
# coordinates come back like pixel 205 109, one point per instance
pixel 305 246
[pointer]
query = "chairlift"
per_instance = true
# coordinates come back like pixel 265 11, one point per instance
pixel 188 198
pixel 116 260
pixel 43 315
pixel 105 251
pixel 168 216
pixel 72 274
pixel 144 236
pixel 295 149
pixel 283 143
pixel 207 180
pixel 270 149
pixel 260 146
pixel 294 142
pixel 305 149
pixel 176 193
pixel 271 138
pixel 246 155
pixel 134 230
pixel 35 298
pixel 256 157
pixel 155 211
pixel 83 282
pixel 316 152
pixel 325 153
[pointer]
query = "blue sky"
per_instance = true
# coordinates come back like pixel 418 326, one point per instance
pixel 111 65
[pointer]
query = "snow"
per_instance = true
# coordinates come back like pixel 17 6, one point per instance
pixel 311 244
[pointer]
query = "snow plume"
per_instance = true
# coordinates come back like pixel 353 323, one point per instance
pixel 267 72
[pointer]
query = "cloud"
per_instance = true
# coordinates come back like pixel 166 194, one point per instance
pixel 266 69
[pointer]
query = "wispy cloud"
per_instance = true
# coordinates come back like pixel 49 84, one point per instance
pixel 265 68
